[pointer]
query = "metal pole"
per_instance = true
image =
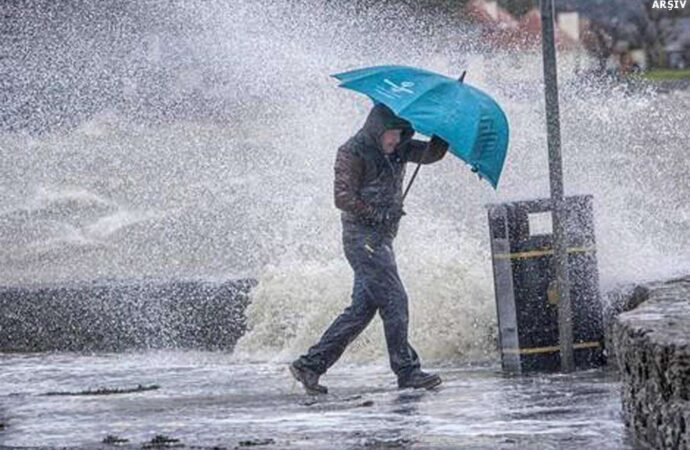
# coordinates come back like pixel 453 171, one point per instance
pixel 565 325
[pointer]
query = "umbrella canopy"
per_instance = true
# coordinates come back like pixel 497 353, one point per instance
pixel 470 121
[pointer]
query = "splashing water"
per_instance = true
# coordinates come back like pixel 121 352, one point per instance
pixel 203 147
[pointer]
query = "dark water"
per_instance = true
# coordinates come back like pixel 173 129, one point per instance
pixel 208 399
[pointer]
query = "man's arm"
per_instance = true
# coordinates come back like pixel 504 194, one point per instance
pixel 436 150
pixel 349 173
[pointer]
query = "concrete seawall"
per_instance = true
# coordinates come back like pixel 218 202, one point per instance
pixel 120 315
pixel 651 345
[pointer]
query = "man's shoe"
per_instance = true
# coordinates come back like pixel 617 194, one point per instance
pixel 308 378
pixel 419 379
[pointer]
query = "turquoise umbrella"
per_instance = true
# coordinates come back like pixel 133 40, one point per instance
pixel 468 119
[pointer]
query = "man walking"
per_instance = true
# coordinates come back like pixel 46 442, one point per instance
pixel 369 174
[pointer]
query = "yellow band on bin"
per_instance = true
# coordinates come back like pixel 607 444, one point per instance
pixel 533 350
pixel 541 252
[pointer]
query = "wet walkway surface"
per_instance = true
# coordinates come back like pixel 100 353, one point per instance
pixel 207 400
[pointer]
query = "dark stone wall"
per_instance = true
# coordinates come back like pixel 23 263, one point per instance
pixel 618 301
pixel 652 349
pixel 121 315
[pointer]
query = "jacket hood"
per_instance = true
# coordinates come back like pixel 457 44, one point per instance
pixel 380 119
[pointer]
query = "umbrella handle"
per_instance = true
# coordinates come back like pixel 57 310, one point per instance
pixel 414 175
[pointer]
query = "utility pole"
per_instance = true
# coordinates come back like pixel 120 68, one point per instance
pixel 553 129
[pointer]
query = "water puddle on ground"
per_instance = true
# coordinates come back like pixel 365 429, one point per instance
pixel 205 399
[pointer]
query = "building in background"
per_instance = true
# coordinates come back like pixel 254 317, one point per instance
pixel 620 35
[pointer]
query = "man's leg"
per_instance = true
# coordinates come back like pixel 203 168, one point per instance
pixel 344 329
pixel 394 313
pixel 384 287
pixel 403 358
pixel 308 368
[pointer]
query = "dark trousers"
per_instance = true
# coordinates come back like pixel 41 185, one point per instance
pixel 377 287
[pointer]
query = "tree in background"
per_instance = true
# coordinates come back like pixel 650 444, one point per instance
pixel 518 7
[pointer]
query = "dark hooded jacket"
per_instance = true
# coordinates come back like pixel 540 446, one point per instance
pixel 366 179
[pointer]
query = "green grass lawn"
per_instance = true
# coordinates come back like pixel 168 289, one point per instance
pixel 667 74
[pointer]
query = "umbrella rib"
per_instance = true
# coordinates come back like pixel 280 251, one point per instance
pixel 377 71
pixel 419 97
pixel 344 79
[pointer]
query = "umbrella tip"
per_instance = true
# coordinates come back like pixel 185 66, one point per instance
pixel 462 77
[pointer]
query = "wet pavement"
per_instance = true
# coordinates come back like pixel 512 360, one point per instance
pixel 206 399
